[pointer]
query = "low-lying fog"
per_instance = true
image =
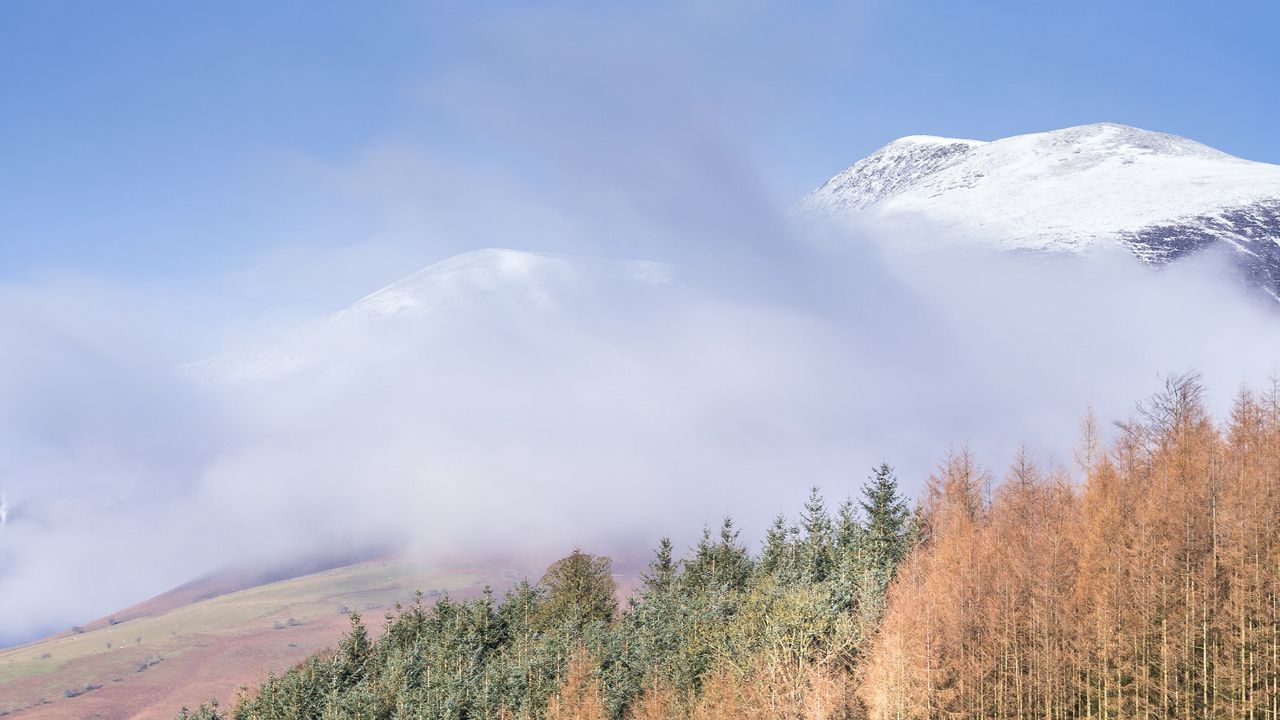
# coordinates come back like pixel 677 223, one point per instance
pixel 546 402
pixel 517 406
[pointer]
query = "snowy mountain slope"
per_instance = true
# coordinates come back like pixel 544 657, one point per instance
pixel 512 277
pixel 1160 195
pixel 473 291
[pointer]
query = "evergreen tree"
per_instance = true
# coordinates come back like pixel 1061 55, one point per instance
pixel 888 529
pixel 662 570
pixel 778 551
pixel 849 535
pixel 851 557
pixel 353 653
pixel 818 546
pixel 732 560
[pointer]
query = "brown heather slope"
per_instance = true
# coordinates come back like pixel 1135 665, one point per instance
pixel 180 650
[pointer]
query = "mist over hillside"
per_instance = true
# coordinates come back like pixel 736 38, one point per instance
pixel 504 402
pixel 537 286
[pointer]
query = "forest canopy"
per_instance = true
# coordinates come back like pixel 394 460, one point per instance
pixel 1143 583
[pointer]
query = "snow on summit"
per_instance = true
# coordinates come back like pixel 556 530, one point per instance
pixel 494 288
pixel 512 276
pixel 1160 195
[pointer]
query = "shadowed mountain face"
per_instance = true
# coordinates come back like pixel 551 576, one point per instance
pixel 1161 196
pixel 1251 231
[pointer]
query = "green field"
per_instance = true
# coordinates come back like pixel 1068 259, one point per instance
pixel 266 625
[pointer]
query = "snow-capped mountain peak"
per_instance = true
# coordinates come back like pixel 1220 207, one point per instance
pixel 493 288
pixel 886 172
pixel 516 276
pixel 1160 195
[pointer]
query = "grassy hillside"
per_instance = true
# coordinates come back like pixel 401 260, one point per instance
pixel 153 662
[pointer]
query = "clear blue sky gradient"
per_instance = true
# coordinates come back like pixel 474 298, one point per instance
pixel 144 139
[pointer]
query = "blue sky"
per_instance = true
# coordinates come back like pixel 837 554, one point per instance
pixel 149 141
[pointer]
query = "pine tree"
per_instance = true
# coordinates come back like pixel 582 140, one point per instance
pixel 851 558
pixel 888 528
pixel 777 557
pixel 849 531
pixel 662 570
pixel 733 561
pixel 719 565
pixel 817 548
pixel 353 653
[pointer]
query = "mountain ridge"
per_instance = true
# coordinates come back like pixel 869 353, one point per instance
pixel 1162 196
